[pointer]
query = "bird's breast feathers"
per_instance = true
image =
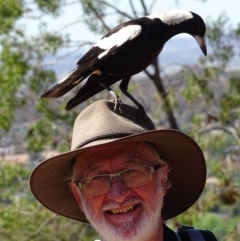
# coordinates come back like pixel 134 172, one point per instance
pixel 172 17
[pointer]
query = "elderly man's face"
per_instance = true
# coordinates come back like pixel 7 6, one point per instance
pixel 123 213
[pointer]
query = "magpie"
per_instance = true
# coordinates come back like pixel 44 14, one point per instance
pixel 125 51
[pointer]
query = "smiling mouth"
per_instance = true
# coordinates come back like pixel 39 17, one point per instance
pixel 122 210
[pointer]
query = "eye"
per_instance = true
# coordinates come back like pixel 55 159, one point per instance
pixel 133 173
pixel 137 172
pixel 98 179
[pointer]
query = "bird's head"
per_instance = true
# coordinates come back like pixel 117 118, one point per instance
pixel 197 28
pixel 182 21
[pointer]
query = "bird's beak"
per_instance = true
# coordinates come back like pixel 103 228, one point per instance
pixel 202 44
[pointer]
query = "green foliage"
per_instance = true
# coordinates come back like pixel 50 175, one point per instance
pixel 219 34
pixel 10 11
pixel 23 218
pixel 231 101
pixel 215 126
pixel 22 71
pixel 207 106
pixel 217 224
pixel 47 133
pixel 95 10
pixel 13 67
pixel 52 7
pixel 198 85
pixel 213 71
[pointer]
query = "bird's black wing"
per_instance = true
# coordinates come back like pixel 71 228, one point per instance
pixel 112 42
pixel 101 52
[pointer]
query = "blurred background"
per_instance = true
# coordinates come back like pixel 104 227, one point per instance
pixel 42 40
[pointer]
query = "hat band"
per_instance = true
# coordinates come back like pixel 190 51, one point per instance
pixel 102 137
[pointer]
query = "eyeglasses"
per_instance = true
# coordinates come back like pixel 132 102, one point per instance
pixel 132 177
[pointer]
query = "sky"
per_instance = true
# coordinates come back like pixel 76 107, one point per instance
pixel 208 10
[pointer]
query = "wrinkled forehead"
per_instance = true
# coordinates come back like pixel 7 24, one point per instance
pixel 140 152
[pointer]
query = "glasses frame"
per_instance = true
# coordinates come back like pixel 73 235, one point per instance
pixel 152 170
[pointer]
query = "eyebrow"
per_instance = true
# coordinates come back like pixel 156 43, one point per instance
pixel 129 160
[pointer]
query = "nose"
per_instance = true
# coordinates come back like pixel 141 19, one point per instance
pixel 118 191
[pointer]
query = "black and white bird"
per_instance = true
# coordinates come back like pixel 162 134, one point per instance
pixel 125 51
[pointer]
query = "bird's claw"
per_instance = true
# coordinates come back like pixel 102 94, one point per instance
pixel 141 114
pixel 117 104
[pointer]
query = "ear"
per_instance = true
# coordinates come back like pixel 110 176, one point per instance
pixel 76 193
pixel 164 179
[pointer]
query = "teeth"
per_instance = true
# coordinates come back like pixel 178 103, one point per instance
pixel 122 210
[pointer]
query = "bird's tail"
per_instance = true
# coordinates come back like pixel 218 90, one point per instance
pixel 91 88
pixel 66 84
pixel 88 90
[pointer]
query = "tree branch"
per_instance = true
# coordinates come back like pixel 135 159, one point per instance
pixel 151 76
pixel 43 224
pixel 212 127
pixel 100 17
pixel 117 10
pixel 144 7
pixel 151 5
pixel 133 8
pixel 166 104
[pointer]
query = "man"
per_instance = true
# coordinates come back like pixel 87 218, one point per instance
pixel 122 176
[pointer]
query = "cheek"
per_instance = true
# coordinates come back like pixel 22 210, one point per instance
pixel 146 191
pixel 94 203
pixel 149 191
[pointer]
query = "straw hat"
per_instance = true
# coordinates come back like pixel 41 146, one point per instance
pixel 99 125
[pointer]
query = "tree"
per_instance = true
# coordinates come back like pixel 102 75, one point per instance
pixel 202 100
pixel 212 92
pixel 24 219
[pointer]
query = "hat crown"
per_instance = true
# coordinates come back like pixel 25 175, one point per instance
pixel 99 121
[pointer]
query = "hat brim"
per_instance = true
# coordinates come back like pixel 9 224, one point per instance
pixel 187 175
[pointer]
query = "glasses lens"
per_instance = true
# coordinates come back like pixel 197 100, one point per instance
pixel 97 185
pixel 136 176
